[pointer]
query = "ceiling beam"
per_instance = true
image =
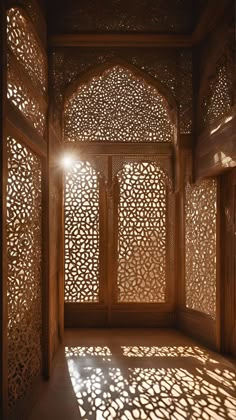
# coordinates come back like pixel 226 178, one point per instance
pixel 120 40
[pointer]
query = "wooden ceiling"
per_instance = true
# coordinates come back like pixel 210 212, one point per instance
pixel 133 23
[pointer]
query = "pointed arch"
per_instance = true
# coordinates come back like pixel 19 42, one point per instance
pixel 116 102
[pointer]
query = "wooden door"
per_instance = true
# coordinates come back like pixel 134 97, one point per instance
pixel 118 243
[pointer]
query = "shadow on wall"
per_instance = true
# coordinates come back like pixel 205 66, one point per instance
pixel 138 382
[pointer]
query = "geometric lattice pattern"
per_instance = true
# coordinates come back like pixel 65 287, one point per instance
pixel 117 106
pixel 22 97
pixel 219 96
pixel 81 233
pixel 24 257
pixel 142 227
pixel 27 70
pixel 25 47
pixel 200 246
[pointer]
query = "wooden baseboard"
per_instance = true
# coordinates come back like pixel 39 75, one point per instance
pixel 198 326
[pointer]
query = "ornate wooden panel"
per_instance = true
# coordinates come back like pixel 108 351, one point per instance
pixel 142 233
pixel 217 100
pixel 117 106
pixel 200 246
pixel 81 233
pixel 27 70
pixel 24 256
pixel 172 67
pixel 23 98
pixel 23 43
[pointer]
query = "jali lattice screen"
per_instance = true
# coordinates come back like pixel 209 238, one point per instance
pixel 81 233
pixel 27 69
pixel 117 106
pixel 24 256
pixel 200 246
pixel 217 99
pixel 142 227
pixel 25 47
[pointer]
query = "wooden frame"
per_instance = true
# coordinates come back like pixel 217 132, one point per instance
pixel 3 253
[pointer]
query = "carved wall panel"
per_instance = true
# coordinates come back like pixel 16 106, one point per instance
pixel 200 246
pixel 142 233
pixel 172 67
pixel 24 256
pixel 119 107
pixel 25 47
pixel 20 94
pixel 122 16
pixel 81 233
pixel 218 97
pixel 216 71
pixel 27 69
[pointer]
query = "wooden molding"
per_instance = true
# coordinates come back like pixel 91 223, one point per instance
pixel 120 40
pixel 163 149
pixel 18 126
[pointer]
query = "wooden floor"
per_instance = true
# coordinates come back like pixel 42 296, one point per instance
pixel 137 374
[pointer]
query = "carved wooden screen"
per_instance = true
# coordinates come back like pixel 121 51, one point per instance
pixel 142 233
pixel 117 247
pixel 81 233
pixel 217 98
pixel 27 71
pixel 117 106
pixel 24 256
pixel 200 246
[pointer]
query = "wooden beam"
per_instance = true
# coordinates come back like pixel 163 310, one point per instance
pixel 164 149
pixel 18 125
pixel 120 40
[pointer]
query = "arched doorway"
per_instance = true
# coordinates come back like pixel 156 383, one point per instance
pixel 119 217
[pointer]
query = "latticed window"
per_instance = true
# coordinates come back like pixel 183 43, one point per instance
pixel 142 237
pixel 200 246
pixel 117 106
pixel 27 70
pixel 24 257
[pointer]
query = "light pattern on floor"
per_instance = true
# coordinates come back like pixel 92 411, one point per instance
pixel 138 382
